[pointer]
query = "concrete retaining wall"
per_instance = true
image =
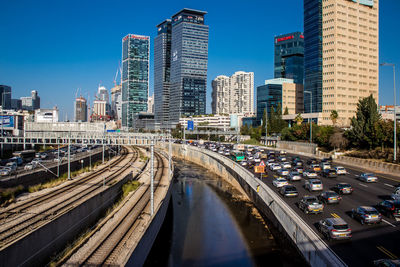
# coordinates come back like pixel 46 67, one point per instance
pixel 383 167
pixel 36 248
pixel 310 245
pixel 297 146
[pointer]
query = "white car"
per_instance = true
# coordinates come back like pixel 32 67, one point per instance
pixel 37 160
pixel 294 176
pixel 29 166
pixel 6 171
pixel 310 174
pixel 340 170
pixel 227 153
pixel 257 160
pixel 368 178
pixel 286 165
pixel 275 167
pixel 283 172
pixel 243 163
pixel 279 182
pixel 270 162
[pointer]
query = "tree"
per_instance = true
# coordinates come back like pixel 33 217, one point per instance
pixel 263 121
pixel 177 132
pixel 363 130
pixel 334 116
pixel 298 119
pixel 338 140
pixel 286 111
pixel 245 130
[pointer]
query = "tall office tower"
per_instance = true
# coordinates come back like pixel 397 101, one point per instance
pixel 189 47
pixel 162 71
pixel 5 97
pixel 35 99
pixel 31 102
pixel 341 57
pixel 289 57
pixel 150 104
pixel 102 94
pixel 279 91
pixel 80 109
pixel 221 95
pixel 233 95
pixel 135 76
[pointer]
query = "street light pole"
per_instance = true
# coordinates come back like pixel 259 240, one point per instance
pixel 394 109
pixel 266 126
pixel 309 92
pixel 152 177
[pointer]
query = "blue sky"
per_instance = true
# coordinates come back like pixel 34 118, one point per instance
pixel 56 47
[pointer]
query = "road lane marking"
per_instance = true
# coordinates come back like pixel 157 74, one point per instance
pixel 389 185
pixel 363 185
pixel 387 252
pixel 388 223
pixel 335 215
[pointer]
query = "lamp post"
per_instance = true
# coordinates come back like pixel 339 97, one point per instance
pixel 2 119
pixel 309 92
pixel 266 124
pixel 394 108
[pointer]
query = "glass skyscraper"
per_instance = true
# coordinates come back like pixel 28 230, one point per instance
pixel 189 58
pixel 313 55
pixel 289 57
pixel 135 77
pixel 269 95
pixel 162 71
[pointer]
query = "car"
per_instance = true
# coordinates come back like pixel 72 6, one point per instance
pixel 299 169
pixel 286 165
pixel 37 155
pixel 294 176
pixel 270 162
pixel 279 182
pixel 366 214
pixel 315 167
pixel 313 185
pixel 387 262
pixel 298 163
pixel 7 171
pixel 289 191
pixel 37 160
pixel 275 167
pixel 310 174
pixel 243 163
pixel 325 166
pixel 343 188
pixel 391 208
pixel 257 160
pixel 368 178
pixel 29 166
pixel 43 155
pixel 329 173
pixel 396 194
pixel 311 204
pixel 12 165
pixel 282 158
pixel 18 160
pixel 340 170
pixel 312 161
pixel 227 153
pixel 334 228
pixel 330 197
pixel 283 172
pixel 221 151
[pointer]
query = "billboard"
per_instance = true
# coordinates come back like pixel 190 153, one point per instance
pixel 190 125
pixel 7 121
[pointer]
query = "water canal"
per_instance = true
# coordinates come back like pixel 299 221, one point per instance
pixel 210 224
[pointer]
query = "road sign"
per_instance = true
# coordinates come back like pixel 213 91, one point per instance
pixel 259 169
pixel 262 163
pixel 190 125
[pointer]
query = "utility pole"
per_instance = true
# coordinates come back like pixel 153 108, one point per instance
pixel 58 160
pixel 170 156
pixel 69 158
pixel 152 177
pixel 266 126
pixel 103 152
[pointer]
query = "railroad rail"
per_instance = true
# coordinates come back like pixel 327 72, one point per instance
pixel 108 247
pixel 25 220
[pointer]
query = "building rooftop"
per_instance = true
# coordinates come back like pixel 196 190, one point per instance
pixel 165 21
pixel 191 11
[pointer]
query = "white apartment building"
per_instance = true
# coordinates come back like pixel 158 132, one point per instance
pixel 233 95
pixel 214 121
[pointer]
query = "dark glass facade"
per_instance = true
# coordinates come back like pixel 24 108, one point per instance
pixel 313 55
pixel 162 71
pixel 5 96
pixel 289 57
pixel 135 77
pixel 189 58
pixel 269 95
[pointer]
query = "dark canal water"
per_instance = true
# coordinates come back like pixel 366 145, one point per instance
pixel 209 224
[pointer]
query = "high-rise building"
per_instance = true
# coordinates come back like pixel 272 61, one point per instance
pixel 5 97
pixel 116 102
pixel 135 76
pixel 279 91
pixel 150 104
pixel 80 109
pixel 189 58
pixel 162 73
pixel 31 102
pixel 341 55
pixel 16 104
pixel 233 95
pixel 289 57
pixel 102 94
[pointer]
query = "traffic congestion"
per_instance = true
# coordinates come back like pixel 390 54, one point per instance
pixel 343 204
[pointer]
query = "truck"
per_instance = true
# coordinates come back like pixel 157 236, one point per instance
pixel 238 146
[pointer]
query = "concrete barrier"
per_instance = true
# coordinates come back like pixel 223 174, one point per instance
pixel 311 246
pixel 297 146
pixel 371 165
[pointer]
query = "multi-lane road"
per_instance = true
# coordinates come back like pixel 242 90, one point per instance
pixel 369 242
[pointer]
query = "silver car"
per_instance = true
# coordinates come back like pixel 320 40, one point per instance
pixel 368 178
pixel 334 228
pixel 294 176
pixel 313 185
pixel 366 214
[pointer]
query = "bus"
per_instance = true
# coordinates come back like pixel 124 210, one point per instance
pixel 237 155
pixel 25 155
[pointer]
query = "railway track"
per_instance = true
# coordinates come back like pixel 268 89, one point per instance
pixel 108 248
pixel 29 221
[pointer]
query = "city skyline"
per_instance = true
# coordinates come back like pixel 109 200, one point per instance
pixel 48 73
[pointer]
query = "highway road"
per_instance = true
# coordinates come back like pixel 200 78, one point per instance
pixel 369 242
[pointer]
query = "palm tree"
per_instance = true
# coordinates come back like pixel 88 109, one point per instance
pixel 298 119
pixel 334 116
